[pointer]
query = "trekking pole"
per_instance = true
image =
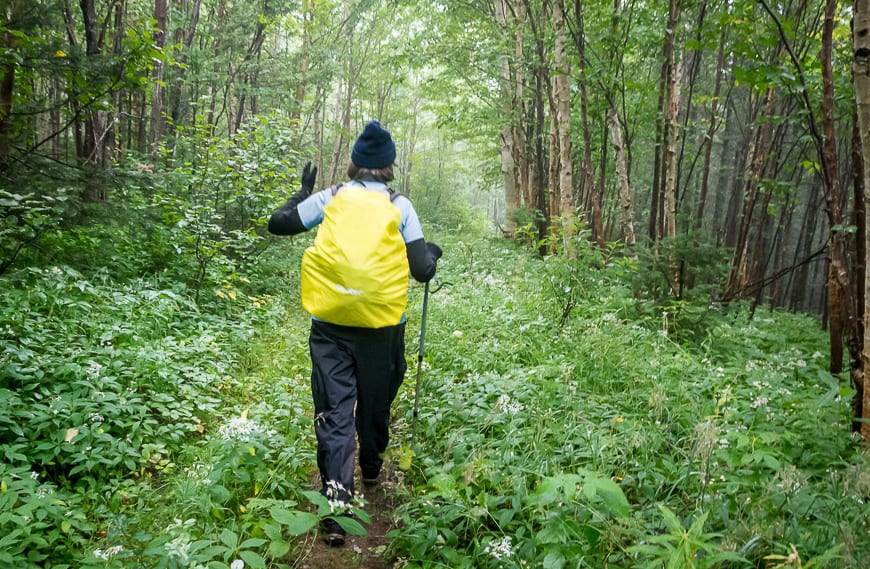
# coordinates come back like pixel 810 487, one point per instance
pixel 420 358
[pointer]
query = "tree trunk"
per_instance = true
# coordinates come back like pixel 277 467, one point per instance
pixel 861 70
pixel 562 95
pixel 590 192
pixel 214 87
pixel 7 82
pixel 654 229
pixel 737 273
pixel 319 118
pixel 538 175
pixel 345 90
pixel 553 177
pixel 94 154
pixel 158 91
pixel 858 218
pixel 508 140
pixel 409 143
pixel 670 114
pixel 798 283
pixel 711 130
pixel 183 36
pixel 305 62
pixel 622 178
pixel 845 307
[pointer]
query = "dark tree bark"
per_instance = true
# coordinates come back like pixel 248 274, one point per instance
pixel 7 81
pixel 158 91
pixel 711 130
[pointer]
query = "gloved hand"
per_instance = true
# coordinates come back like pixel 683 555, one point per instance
pixel 309 176
pixel 434 250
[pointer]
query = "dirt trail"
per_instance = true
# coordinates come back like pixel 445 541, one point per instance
pixel 361 551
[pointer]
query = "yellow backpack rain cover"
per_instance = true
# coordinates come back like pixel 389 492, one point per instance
pixel 356 273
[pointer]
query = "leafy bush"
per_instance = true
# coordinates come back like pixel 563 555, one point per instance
pixel 603 439
pixel 108 388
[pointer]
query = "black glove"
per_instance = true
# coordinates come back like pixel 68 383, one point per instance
pixel 434 250
pixel 309 176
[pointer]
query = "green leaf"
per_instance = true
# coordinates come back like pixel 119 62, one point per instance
pixel 253 559
pixel 554 560
pixel 229 538
pixel 350 525
pixel 609 492
pixel 363 516
pixel 297 522
pixel 279 548
pixel 319 500
pixel 272 530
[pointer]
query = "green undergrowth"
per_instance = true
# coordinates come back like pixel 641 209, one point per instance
pixel 564 421
pixel 140 428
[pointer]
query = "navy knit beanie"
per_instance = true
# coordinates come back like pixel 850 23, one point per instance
pixel 374 149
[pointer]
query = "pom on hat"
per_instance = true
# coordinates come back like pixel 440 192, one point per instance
pixel 374 149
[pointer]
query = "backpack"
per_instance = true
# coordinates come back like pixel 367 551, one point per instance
pixel 356 273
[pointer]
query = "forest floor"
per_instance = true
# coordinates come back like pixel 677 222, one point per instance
pixel 361 551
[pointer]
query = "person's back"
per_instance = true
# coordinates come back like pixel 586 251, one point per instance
pixel 356 272
pixel 354 284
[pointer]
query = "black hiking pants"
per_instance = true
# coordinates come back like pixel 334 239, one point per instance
pixel 355 376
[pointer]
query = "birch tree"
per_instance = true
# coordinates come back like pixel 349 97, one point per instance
pixel 861 73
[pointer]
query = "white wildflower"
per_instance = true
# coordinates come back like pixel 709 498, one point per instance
pixel 500 548
pixel 505 405
pixel 241 429
pixel 179 548
pixel 34 475
pixel 96 418
pixel 237 564
pixel 94 370
pixel 457 333
pixel 760 402
pixel 56 270
pixel 107 554
pixel 200 473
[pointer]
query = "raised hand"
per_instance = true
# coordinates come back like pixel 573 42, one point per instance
pixel 309 176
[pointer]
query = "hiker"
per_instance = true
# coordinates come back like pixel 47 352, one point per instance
pixel 357 337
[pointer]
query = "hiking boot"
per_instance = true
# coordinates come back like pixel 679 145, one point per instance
pixel 370 480
pixel 333 533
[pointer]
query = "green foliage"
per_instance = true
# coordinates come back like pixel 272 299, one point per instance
pixel 676 281
pixel 22 219
pixel 684 548
pixel 217 200
pixel 559 421
pixel 446 199
pixel 112 388
pixel 604 440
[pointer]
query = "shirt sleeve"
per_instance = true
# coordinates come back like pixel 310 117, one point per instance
pixel 311 210
pixel 420 261
pixel 410 224
pixel 300 213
